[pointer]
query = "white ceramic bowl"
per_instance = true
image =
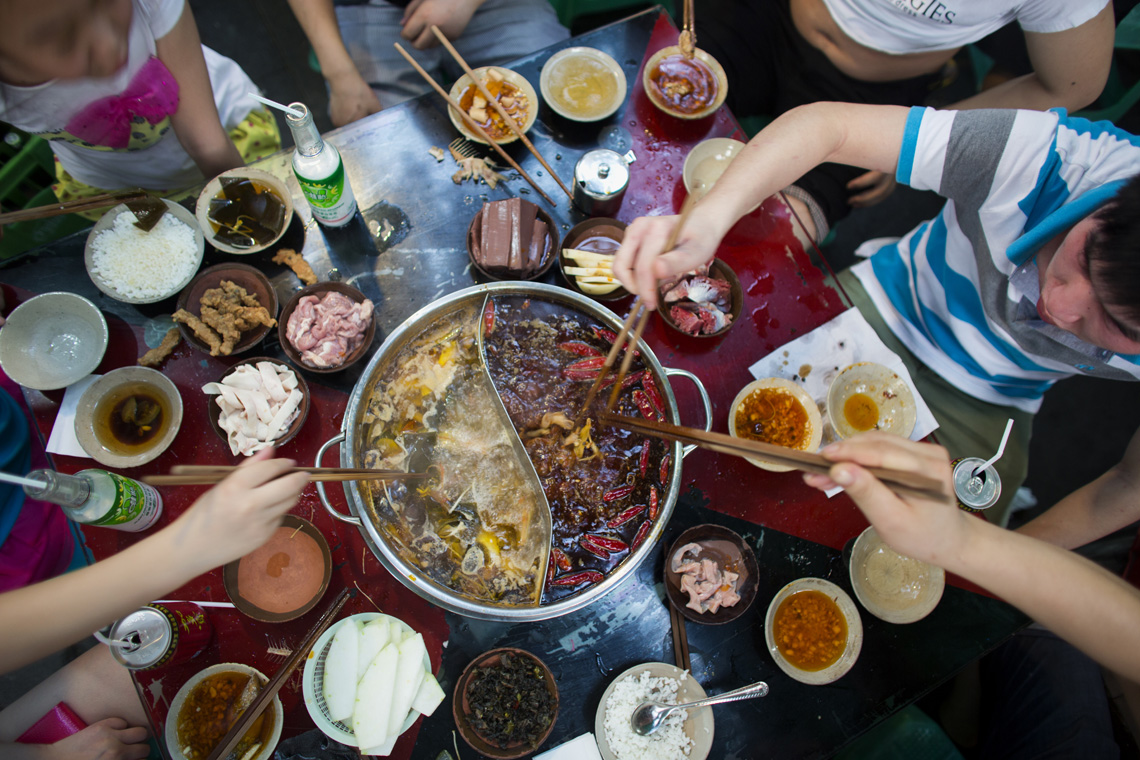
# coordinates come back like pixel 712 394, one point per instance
pixel 895 410
pixel 106 222
pixel 53 340
pixel 698 725
pixel 171 735
pixel 850 654
pixel 892 586
pixel 214 186
pixel 313 679
pixel 703 57
pixel 815 421
pixel 575 101
pixel 706 162
pixel 104 389
pixel 518 80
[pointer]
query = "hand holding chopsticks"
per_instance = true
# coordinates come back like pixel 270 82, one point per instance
pixel 193 475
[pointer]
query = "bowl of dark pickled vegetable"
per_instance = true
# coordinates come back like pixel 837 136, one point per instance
pixel 506 703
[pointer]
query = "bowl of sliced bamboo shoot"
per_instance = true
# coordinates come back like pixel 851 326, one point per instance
pixel 367 680
pixel 587 258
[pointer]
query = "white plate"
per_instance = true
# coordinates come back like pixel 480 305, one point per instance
pixel 171 733
pixel 315 673
pixel 698 725
pixel 837 669
pixel 891 395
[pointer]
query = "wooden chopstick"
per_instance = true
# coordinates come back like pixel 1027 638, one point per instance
pixel 904 483
pixel 628 358
pixel 266 695
pixel 680 638
pixel 195 475
pixel 494 102
pixel 71 207
pixel 609 363
pixel 474 125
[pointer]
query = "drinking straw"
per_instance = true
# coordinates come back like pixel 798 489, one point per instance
pixel 279 106
pixel 39 485
pixel 1000 451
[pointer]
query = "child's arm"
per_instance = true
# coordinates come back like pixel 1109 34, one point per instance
pixel 196 122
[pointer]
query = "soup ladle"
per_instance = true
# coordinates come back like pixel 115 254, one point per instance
pixel 650 715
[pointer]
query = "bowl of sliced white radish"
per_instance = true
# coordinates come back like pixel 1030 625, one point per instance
pixel 587 257
pixel 366 666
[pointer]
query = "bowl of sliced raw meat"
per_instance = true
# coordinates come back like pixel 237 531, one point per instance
pixel 326 327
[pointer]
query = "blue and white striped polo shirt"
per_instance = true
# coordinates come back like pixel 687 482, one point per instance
pixel 961 290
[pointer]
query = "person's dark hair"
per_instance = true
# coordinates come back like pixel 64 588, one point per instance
pixel 1113 252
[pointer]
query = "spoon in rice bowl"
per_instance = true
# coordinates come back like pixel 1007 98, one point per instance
pixel 649 716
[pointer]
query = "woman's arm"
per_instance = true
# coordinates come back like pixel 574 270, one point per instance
pixel 1079 601
pixel 799 140
pixel 228 521
pixel 196 122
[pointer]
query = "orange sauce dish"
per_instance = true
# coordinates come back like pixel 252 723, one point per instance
pixel 773 416
pixel 809 630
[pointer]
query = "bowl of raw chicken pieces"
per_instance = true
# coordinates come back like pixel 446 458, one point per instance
pixel 326 327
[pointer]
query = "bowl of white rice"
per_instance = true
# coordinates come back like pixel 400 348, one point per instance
pixel 134 266
pixel 685 734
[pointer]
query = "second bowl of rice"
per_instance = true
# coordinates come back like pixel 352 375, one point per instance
pixel 133 266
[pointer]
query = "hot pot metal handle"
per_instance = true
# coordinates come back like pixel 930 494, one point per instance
pixel 335 441
pixel 670 372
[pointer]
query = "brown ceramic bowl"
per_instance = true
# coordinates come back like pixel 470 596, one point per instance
pixel 290 432
pixel 589 232
pixel 461 710
pixel 319 289
pixel 665 107
pixel 718 269
pixel 282 584
pixel 254 282
pixel 476 228
pixel 730 552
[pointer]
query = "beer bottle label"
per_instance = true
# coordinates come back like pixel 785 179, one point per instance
pixel 136 506
pixel 331 197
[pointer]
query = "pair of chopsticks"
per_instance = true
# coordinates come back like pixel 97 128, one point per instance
pixel 639 314
pixel 475 127
pixel 72 207
pixel 688 38
pixel 903 483
pixel 194 475
pixel 266 695
pixel 680 637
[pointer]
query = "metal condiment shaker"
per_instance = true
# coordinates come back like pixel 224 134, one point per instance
pixel 600 180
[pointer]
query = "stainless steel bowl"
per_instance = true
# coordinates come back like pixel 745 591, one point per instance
pixel 350 440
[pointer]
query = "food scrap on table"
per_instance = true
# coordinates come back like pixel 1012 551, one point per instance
pixel 699 303
pixel 437 153
pixel 709 588
pixel 158 354
pixel 227 312
pixel 295 261
pixel 258 404
pixel 327 329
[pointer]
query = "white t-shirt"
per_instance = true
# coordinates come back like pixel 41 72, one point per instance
pixel 916 26
pixel 115 131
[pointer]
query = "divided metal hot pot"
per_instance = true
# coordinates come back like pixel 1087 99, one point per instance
pixel 351 441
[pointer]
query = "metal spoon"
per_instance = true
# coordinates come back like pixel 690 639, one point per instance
pixel 649 716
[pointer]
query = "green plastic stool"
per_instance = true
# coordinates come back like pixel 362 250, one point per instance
pixel 26 175
pixel 907 735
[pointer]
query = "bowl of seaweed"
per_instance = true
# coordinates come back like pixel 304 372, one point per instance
pixel 506 703
pixel 244 210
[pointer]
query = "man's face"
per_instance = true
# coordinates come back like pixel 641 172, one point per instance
pixel 1069 298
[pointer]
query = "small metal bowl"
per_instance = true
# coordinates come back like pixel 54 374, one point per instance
pixel 319 289
pixel 107 221
pixel 461 709
pixel 475 229
pixel 279 583
pixel 101 397
pixel 815 420
pixel 731 553
pixel 703 57
pixel 854 644
pixel 53 340
pixel 572 110
pixel 518 80
pixel 891 586
pixel 698 725
pixel 894 405
pixel 254 282
pixel 214 187
pixel 290 432
pixel 598 227
pixel 717 268
pixel 173 744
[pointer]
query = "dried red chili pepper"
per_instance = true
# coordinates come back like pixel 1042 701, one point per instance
pixel 607 543
pixel 581 374
pixel 625 515
pixel 644 404
pixel 617 493
pixel 586 576
pixel 643 462
pixel 629 380
pixel 650 386
pixel 607 335
pixel 654 506
pixel 642 532
pixel 663 476
pixel 593 362
pixel 489 317
pixel 587 543
pixel 580 348
pixel 561 560
pixel 550 571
